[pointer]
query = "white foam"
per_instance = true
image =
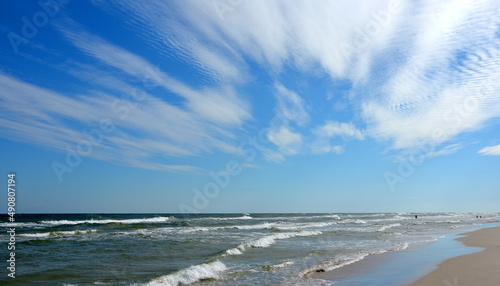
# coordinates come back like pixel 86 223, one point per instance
pixel 398 217
pixel 18 224
pixel 106 221
pixel 278 266
pixel 265 225
pixel 305 225
pixel 236 251
pixel 346 259
pixel 355 221
pixel 386 227
pixel 36 235
pixel 57 233
pixel 269 240
pixel 333 216
pixel 245 216
pixel 190 275
pixel 323 216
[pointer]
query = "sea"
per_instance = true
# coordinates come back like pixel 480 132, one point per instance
pixel 210 249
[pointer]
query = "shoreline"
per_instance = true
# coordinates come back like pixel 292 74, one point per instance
pixel 422 264
pixel 479 268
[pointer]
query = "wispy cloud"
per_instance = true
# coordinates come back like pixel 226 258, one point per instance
pixel 147 131
pixel 444 84
pixel 345 130
pixel 273 33
pixel 491 150
pixel 291 106
pixel 288 142
pixel 156 129
pixel 331 129
pixel 273 156
pixel 219 105
pixel 426 71
pixel 395 64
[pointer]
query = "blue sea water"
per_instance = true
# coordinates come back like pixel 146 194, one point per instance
pixel 209 249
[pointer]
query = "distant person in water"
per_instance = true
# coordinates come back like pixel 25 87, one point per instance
pixel 416 216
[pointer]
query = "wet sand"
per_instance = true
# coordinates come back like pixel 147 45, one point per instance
pixel 480 268
pixel 451 261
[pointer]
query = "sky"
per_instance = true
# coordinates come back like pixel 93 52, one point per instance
pixel 250 106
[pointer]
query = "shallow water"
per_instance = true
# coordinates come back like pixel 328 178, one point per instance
pixel 210 249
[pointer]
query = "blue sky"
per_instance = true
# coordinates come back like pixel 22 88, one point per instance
pixel 251 106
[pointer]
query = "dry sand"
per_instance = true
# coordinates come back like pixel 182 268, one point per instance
pixel 480 268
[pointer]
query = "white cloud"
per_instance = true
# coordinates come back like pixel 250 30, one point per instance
pixel 429 72
pixel 273 156
pixel 491 150
pixel 287 141
pixel 323 147
pixel 404 62
pixel 426 151
pixel 220 105
pixel 331 129
pixel 445 84
pixel 273 33
pixel 180 26
pixel 290 105
pixel 344 130
pixel 151 129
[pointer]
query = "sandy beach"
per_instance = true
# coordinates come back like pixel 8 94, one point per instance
pixel 480 268
pixel 458 259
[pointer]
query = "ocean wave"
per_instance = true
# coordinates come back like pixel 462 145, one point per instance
pixel 354 221
pixel 215 228
pixel 386 227
pixel 245 216
pixel 340 261
pixel 57 233
pixel 346 259
pixel 194 229
pixel 18 224
pixel 277 266
pixel 399 217
pixel 304 225
pixel 209 270
pixel 236 251
pixel 106 221
pixel 50 223
pixel 267 241
pixel 323 216
pixel 266 225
